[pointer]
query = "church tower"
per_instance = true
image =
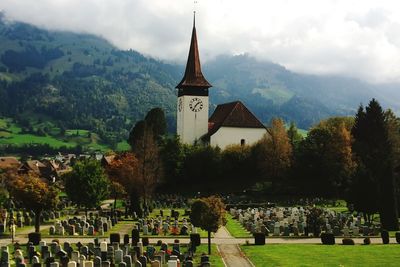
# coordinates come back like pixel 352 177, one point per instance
pixel 192 105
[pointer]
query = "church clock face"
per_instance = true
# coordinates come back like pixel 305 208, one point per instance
pixel 180 105
pixel 196 104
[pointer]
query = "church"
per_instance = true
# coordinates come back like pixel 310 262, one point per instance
pixel 231 123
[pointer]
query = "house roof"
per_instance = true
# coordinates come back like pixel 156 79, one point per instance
pixel 9 163
pixel 34 165
pixel 193 76
pixel 233 114
pixel 107 160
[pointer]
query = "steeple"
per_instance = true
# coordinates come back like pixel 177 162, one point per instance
pixel 193 80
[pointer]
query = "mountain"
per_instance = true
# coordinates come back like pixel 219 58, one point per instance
pixel 81 81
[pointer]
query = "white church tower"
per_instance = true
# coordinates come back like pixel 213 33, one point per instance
pixel 192 105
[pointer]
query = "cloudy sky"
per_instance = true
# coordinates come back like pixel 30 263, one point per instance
pixel 359 38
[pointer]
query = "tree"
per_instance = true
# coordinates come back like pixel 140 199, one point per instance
pixel 124 169
pixel 149 164
pixel 294 136
pixel 155 119
pixel 117 191
pixel 33 193
pixel 172 155
pixel 275 152
pixel 136 133
pixel 86 185
pixel 238 168
pixel 201 167
pixel 374 153
pixel 208 214
pixel 324 162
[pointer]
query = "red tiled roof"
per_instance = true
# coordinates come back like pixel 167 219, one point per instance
pixel 233 114
pixel 193 76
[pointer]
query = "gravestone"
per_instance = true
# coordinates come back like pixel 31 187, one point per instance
pixel 128 260
pixel 97 261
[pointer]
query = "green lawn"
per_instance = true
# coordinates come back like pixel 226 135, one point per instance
pixel 322 255
pixel 235 229
pixel 215 258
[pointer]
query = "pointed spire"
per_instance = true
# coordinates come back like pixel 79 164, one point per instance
pixel 193 76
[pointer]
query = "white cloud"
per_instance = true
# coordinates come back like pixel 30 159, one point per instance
pixel 348 37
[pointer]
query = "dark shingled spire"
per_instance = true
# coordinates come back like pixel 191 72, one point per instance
pixel 193 82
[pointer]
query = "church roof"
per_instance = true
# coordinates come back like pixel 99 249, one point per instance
pixel 193 76
pixel 233 114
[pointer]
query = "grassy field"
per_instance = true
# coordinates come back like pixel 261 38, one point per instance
pixel 11 133
pixel 320 255
pixel 215 258
pixel 235 229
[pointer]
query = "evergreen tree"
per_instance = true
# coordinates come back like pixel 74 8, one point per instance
pixel 373 150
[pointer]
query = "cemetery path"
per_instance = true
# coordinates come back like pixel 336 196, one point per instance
pixel 233 256
pixel 231 253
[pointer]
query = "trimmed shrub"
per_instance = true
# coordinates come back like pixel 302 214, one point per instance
pixel 367 241
pixel 385 237
pixel 34 238
pixel 328 239
pixel 115 238
pixel 347 241
pixel 398 237
pixel 259 238
pixel 195 239
pixel 145 241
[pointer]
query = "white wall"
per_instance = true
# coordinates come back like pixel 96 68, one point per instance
pixel 191 126
pixel 232 135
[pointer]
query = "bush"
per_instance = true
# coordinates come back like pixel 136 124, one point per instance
pixel 34 238
pixel 367 241
pixel 328 239
pixel 259 238
pixel 347 241
pixel 398 237
pixel 195 239
pixel 115 238
pixel 385 237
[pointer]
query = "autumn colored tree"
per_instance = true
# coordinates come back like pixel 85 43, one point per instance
pixel 33 193
pixel 275 152
pixel 86 185
pixel 124 170
pixel 208 214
